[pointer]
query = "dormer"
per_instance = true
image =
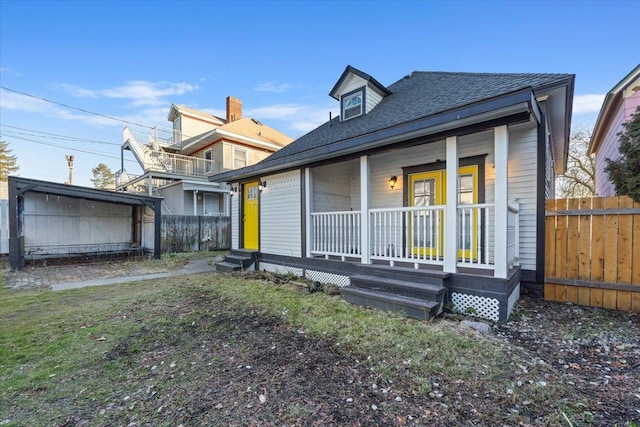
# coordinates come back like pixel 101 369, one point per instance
pixel 358 93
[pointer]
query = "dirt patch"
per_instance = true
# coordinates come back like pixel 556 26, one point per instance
pixel 594 351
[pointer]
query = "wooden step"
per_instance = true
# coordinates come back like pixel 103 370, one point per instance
pixel 403 288
pixel 410 307
pixel 428 277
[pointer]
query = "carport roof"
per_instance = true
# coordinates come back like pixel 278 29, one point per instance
pixel 22 185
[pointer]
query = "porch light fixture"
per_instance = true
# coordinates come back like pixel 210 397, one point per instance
pixel 392 181
pixel 233 191
pixel 262 185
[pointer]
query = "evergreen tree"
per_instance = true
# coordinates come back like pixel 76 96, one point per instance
pixel 8 162
pixel 625 172
pixel 103 177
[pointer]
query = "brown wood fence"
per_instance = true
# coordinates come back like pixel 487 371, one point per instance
pixel 592 252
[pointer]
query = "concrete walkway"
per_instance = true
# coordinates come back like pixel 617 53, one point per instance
pixel 194 267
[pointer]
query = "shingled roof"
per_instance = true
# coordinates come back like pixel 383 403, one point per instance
pixel 416 96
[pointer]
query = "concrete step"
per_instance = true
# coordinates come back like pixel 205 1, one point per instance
pixel 243 261
pixel 410 307
pixel 228 267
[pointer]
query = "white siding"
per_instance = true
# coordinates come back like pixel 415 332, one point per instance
pixel 351 83
pixel 280 215
pixel 372 97
pixel 174 201
pixel 64 225
pixel 192 127
pixel 522 185
pixel 235 226
pixel 332 190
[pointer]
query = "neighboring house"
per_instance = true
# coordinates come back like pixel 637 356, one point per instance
pixel 621 101
pixel 177 162
pixel 427 191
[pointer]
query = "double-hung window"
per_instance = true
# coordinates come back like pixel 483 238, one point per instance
pixel 353 104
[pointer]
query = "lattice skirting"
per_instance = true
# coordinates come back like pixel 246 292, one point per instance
pixel 483 307
pixel 316 276
pixel 322 277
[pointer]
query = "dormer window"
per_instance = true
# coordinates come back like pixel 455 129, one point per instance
pixel 353 104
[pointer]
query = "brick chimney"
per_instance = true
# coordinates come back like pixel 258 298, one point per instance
pixel 234 109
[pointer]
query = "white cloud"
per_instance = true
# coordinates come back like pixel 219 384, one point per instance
pixel 276 111
pixel 272 87
pixel 294 119
pixel 140 92
pixel 584 104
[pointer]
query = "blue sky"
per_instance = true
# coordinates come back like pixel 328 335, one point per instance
pixel 132 60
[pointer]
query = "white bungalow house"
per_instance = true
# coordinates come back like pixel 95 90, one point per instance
pixel 425 192
pixel 177 162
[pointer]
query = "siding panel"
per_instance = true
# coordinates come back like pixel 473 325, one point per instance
pixel 280 215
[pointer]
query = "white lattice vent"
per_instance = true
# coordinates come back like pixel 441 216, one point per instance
pixel 281 269
pixel 322 277
pixel 483 307
pixel 283 181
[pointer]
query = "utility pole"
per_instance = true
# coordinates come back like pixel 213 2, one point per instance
pixel 70 163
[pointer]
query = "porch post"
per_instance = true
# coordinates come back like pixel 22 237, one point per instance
pixel 501 153
pixel 451 208
pixel 364 208
pixel 308 205
pixel 195 202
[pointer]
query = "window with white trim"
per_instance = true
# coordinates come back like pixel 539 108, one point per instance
pixel 352 105
pixel 239 157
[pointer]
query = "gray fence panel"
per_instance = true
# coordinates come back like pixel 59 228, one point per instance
pixel 182 233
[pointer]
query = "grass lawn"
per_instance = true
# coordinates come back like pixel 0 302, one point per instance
pixel 217 349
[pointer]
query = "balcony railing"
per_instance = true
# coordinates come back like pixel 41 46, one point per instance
pixel 415 235
pixel 161 161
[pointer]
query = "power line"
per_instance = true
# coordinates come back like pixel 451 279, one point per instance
pixel 75 108
pixel 66 148
pixel 56 136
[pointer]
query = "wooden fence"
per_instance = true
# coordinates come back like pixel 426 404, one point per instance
pixel 592 252
pixel 195 233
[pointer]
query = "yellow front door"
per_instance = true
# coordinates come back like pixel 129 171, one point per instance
pixel 427 226
pixel 250 218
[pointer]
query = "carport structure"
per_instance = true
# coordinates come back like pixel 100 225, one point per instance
pixel 51 220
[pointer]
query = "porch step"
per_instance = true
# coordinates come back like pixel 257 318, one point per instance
pixel 401 288
pixel 410 307
pixel 426 277
pixel 237 260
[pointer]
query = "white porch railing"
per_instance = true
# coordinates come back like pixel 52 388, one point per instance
pixel 415 235
pixel 336 234
pixel 408 234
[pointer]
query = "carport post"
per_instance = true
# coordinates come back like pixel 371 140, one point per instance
pixel 157 210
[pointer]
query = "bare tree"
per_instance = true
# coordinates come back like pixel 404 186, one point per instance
pixel 579 180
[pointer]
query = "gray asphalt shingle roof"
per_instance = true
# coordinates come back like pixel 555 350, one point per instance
pixel 415 96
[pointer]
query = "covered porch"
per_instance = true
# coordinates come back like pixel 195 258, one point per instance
pixel 449 210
